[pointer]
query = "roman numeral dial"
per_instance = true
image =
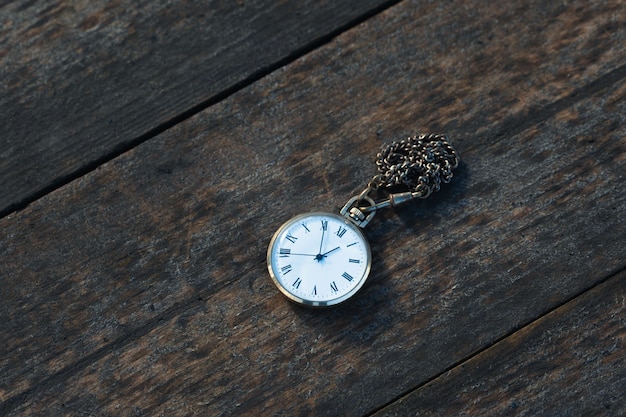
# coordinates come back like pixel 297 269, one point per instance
pixel 318 259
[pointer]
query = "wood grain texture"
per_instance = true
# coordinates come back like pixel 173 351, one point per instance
pixel 568 363
pixel 142 287
pixel 82 81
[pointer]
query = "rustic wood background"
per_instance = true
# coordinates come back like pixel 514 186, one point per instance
pixel 150 150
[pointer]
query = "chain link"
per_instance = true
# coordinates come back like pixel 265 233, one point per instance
pixel 420 163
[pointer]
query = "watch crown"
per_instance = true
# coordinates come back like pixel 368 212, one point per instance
pixel 357 216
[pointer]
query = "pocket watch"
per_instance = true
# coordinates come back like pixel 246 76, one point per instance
pixel 322 259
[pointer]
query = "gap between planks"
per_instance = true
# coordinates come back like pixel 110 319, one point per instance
pixel 213 100
pixel 614 275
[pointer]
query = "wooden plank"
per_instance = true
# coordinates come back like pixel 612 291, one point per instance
pixel 142 287
pixel 83 82
pixel 568 363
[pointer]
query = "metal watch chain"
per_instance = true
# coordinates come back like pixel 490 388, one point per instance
pixel 418 163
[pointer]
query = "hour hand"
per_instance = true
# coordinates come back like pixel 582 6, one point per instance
pixel 332 250
pixel 323 255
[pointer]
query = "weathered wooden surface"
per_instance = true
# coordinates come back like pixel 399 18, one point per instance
pixel 142 287
pixel 570 362
pixel 81 82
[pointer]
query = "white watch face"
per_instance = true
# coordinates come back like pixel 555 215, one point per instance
pixel 318 259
